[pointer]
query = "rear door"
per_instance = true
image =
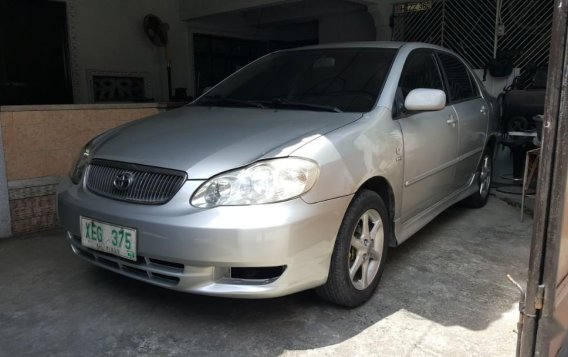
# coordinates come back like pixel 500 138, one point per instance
pixel 430 138
pixel 472 111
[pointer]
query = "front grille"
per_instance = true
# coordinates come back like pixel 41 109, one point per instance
pixel 133 183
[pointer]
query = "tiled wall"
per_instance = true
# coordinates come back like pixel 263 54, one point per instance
pixel 45 143
pixel 40 146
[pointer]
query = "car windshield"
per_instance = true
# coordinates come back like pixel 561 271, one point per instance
pixel 335 80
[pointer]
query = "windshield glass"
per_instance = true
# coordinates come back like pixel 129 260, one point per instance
pixel 338 80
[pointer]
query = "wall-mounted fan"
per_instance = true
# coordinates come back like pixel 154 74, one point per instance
pixel 157 32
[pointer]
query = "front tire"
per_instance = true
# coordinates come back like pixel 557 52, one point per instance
pixel 360 252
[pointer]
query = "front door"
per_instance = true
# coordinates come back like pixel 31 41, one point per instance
pixel 430 139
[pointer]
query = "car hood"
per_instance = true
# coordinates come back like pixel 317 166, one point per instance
pixel 205 141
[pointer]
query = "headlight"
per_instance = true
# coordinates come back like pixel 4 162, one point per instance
pixel 264 182
pixel 82 162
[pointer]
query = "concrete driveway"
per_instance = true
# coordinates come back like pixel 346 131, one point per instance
pixel 444 293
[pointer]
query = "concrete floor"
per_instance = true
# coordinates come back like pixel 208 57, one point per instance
pixel 444 293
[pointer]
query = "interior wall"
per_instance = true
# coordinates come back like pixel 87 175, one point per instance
pixel 355 26
pixel 192 9
pixel 290 22
pixel 234 25
pixel 107 35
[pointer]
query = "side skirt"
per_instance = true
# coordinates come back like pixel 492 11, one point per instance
pixel 404 230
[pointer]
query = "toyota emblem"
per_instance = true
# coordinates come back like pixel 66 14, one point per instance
pixel 123 181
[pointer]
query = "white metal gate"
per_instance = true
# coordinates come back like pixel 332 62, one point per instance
pixel 480 29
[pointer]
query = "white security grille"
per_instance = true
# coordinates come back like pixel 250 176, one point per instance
pixel 479 30
pixel 527 29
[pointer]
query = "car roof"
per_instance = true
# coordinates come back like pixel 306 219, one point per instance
pixel 372 44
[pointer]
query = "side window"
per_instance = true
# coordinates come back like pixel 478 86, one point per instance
pixel 420 71
pixel 459 80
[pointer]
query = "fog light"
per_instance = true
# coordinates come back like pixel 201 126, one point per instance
pixel 260 273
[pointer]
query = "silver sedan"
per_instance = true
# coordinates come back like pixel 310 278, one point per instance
pixel 298 171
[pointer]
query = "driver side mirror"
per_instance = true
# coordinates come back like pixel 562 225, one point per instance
pixel 425 99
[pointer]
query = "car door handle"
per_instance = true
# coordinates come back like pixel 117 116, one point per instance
pixel 452 120
pixel 483 110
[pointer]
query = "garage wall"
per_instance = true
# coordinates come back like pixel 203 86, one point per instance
pixel 235 26
pixel 192 9
pixel 40 144
pixel 325 20
pixel 107 36
pixel 358 26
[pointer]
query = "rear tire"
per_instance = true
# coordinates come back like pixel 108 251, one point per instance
pixel 483 179
pixel 360 252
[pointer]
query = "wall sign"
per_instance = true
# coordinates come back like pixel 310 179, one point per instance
pixel 415 6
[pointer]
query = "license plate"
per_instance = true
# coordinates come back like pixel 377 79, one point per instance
pixel 108 238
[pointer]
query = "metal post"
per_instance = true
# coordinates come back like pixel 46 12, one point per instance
pixel 551 185
pixel 443 23
pixel 170 95
pixel 169 71
pixel 496 30
pixel 5 219
pixel 525 184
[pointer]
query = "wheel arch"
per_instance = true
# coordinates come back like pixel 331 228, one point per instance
pixel 383 188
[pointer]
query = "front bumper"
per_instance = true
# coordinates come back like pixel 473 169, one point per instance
pixel 189 249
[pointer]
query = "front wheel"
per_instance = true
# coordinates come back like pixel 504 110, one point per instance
pixel 483 178
pixel 360 252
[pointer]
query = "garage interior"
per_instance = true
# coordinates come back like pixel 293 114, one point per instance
pixel 444 292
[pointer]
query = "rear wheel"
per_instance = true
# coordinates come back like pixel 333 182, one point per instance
pixel 360 252
pixel 483 177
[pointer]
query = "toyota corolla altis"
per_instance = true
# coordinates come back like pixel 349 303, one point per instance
pixel 298 171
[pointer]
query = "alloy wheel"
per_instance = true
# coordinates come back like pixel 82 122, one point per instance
pixel 485 176
pixel 366 250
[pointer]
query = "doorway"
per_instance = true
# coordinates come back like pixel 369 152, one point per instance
pixel 34 53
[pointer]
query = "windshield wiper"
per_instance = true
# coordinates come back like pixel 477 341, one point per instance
pixel 220 101
pixel 283 102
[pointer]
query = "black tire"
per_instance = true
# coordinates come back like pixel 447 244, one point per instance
pixel 340 288
pixel 481 196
